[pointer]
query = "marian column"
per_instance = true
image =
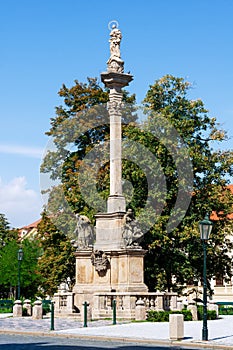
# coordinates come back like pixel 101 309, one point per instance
pixel 115 264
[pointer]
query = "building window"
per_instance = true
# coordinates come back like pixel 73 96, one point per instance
pixel 219 281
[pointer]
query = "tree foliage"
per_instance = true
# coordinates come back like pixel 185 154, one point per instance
pixel 179 253
pixel 173 257
pixel 6 233
pixel 57 261
pixel 9 268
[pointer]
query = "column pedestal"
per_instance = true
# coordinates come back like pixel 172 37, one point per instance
pixel 116 204
pixel 109 231
pixel 125 273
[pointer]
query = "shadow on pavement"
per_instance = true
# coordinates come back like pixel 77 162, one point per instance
pixel 50 346
pixel 227 336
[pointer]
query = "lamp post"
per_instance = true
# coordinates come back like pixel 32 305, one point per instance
pixel 205 230
pixel 20 258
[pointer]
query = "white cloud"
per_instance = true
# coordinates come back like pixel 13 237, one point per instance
pixel 34 152
pixel 20 205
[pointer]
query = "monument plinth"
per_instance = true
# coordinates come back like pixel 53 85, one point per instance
pixel 116 262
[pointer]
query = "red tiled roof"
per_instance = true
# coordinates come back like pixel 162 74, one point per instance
pixel 214 216
pixel 30 226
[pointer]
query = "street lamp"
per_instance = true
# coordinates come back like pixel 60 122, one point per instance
pixel 205 230
pixel 20 258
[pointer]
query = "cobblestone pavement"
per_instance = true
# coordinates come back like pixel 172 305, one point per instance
pixel 60 323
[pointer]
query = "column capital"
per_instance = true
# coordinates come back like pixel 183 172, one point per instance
pixel 115 80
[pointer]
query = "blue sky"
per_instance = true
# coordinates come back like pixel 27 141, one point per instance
pixel 45 43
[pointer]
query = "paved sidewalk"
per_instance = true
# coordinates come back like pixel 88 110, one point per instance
pixel 220 331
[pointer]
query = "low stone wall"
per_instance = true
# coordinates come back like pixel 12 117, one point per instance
pixel 126 303
pixel 64 303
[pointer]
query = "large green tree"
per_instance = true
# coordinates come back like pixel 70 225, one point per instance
pixel 174 250
pixel 6 233
pixel 57 262
pixel 29 275
pixel 178 253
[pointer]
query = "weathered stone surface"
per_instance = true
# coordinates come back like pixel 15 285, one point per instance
pixel 37 310
pixel 115 82
pixel 115 63
pixel 176 326
pixel 63 303
pixel 140 310
pixel 84 268
pixel 180 305
pixel 100 261
pixel 27 306
pixel 109 231
pixel 193 308
pixel 84 232
pixel 131 232
pixel 17 309
pixel 173 301
pixel 125 274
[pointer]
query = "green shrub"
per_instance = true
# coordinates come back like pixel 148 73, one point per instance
pixel 163 316
pixel 5 311
pixel 211 314
pixel 157 316
pixel 187 314
pixel 46 308
pixel 25 311
pixel 223 310
pixel 6 305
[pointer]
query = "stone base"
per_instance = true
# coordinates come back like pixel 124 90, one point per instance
pixel 116 204
pixel 109 231
pixel 176 326
pixel 125 273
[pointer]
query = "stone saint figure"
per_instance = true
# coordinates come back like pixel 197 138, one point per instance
pixel 115 42
pixel 115 63
pixel 84 231
pixel 131 233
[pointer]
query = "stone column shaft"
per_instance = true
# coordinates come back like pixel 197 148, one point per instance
pixel 115 143
pixel 115 82
pixel 116 202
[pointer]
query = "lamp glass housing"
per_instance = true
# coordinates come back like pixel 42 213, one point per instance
pixel 205 227
pixel 20 254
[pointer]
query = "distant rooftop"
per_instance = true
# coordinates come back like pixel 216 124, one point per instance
pixel 30 226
